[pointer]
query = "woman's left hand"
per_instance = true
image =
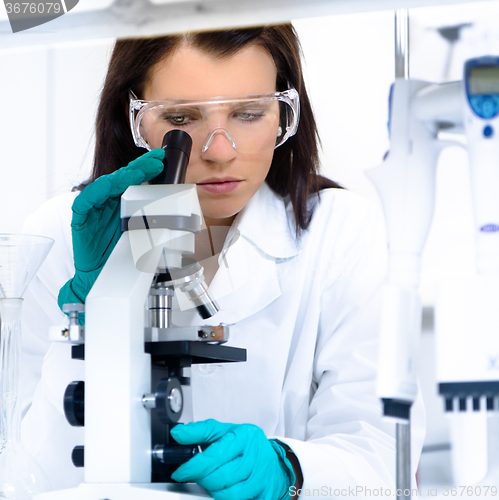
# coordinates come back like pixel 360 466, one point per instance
pixel 240 463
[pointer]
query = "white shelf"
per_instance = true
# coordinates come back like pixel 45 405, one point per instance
pixel 124 18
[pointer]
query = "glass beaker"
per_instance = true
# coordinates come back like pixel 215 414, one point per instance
pixel 20 257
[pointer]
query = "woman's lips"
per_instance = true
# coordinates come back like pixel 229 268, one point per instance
pixel 216 186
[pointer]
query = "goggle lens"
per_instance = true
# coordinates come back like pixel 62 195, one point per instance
pixel 252 124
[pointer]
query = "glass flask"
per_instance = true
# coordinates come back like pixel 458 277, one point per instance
pixel 20 257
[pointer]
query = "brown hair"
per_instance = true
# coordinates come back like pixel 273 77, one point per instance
pixel 295 164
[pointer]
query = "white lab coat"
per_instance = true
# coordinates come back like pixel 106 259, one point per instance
pixel 307 313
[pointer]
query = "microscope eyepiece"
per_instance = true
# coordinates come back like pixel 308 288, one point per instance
pixel 178 139
pixel 177 145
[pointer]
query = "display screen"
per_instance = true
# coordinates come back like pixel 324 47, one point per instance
pixel 484 80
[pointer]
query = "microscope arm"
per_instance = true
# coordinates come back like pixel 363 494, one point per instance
pixel 117 426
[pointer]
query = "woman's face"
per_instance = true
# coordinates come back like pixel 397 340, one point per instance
pixel 226 179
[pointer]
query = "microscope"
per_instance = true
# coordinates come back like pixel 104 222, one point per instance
pixel 466 312
pixel 134 355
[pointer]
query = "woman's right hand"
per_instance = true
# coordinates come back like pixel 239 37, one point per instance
pixel 96 225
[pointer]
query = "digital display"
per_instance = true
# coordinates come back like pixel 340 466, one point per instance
pixel 484 80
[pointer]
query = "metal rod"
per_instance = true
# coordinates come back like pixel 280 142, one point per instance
pixel 169 305
pixel 403 457
pixel 149 401
pixel 402 43
pixel 403 431
pixel 160 306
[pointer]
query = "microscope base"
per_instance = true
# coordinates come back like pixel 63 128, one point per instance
pixel 128 492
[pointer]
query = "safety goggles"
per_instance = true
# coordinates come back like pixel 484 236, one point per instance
pixel 252 124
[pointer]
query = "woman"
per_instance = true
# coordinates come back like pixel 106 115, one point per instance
pixel 314 257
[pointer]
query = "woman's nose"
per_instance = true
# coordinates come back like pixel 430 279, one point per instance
pixel 219 147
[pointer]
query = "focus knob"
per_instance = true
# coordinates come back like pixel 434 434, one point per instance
pixel 78 456
pixel 168 400
pixel 74 403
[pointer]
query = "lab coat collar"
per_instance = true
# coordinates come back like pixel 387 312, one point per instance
pixel 247 279
pixel 267 221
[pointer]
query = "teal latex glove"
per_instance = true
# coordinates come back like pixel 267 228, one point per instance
pixel 240 463
pixel 96 225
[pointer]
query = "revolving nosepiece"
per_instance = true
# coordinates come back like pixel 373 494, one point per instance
pixel 198 294
pixel 190 280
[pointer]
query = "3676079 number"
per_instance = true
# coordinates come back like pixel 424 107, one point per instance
pixel 470 491
pixel 33 8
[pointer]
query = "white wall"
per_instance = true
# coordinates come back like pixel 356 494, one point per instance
pixel 349 66
pixel 23 135
pixel 49 99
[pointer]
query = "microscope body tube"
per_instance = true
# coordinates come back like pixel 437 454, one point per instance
pixel 406 186
pixel 150 244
